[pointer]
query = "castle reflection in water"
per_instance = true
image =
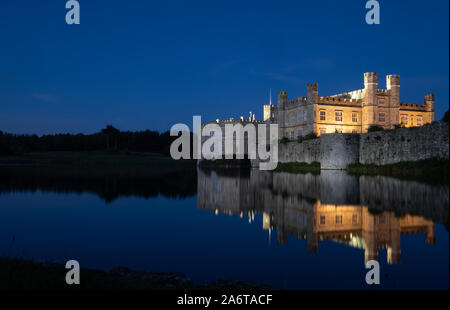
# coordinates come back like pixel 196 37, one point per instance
pixel 370 213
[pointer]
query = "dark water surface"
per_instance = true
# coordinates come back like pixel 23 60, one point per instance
pixel 286 230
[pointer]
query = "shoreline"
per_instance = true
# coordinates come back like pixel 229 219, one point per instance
pixel 430 171
pixel 25 274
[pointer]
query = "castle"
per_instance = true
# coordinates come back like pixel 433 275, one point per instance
pixel 351 112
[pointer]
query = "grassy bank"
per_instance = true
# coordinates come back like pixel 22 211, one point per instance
pixel 299 167
pixel 20 274
pixel 91 159
pixel 429 171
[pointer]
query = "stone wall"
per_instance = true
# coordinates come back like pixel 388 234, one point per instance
pixel 306 152
pixel 337 151
pixel 405 144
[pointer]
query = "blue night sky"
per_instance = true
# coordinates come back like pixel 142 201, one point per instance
pixel 150 64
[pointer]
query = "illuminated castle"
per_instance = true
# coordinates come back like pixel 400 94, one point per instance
pixel 350 112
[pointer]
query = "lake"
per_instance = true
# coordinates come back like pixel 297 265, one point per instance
pixel 290 231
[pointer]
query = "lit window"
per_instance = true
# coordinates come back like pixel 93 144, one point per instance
pixel 338 116
pixel 322 220
pixel 404 119
pixel 419 120
pixel 354 117
pixel 412 120
pixel 382 117
pixel 338 219
pixel 323 115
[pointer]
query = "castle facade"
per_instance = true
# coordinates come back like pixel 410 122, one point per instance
pixel 351 112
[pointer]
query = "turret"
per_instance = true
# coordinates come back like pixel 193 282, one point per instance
pixel 369 100
pixel 370 86
pixel 312 92
pixel 393 86
pixel 282 99
pixel 429 102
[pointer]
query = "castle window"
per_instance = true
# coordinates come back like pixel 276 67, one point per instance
pixel 338 219
pixel 299 116
pixel 412 120
pixel 323 115
pixel 300 133
pixel 404 119
pixel 305 115
pixel 354 117
pixel 292 135
pixel 382 117
pixel 338 116
pixel 292 117
pixel 355 219
pixel 419 120
pixel 381 102
pixel 322 220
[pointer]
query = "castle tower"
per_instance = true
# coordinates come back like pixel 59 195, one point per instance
pixel 369 100
pixel 312 93
pixel 282 99
pixel 393 87
pixel 429 104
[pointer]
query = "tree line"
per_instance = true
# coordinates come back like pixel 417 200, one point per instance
pixel 109 139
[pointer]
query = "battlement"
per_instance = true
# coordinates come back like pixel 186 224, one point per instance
pixel 382 92
pixel 313 86
pixel 412 106
pixel 392 80
pixel 429 97
pixel 300 100
pixel 338 100
pixel 370 77
pixel 234 121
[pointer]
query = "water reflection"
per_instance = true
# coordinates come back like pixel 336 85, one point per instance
pixel 370 213
pixel 109 183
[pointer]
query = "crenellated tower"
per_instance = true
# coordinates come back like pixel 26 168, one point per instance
pixel 429 105
pixel 312 92
pixel 393 88
pixel 370 100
